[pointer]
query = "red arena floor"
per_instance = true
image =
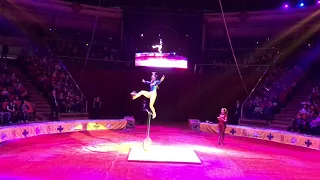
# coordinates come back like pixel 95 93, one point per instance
pixel 103 155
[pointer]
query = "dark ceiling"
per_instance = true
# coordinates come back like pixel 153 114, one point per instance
pixel 213 5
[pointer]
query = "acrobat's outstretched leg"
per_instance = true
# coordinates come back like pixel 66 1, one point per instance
pixel 151 103
pixel 137 95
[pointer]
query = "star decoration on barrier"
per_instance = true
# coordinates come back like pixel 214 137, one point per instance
pixel 3 136
pixel 308 143
pixel 60 128
pixel 38 130
pixel 255 134
pixel 270 136
pixel 25 133
pixel 232 131
pixel 96 126
pixel 293 140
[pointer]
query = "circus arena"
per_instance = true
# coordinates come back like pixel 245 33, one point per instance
pixel 100 91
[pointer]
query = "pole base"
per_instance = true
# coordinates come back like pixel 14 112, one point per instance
pixel 147 143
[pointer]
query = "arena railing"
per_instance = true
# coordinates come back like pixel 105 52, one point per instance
pixel 76 86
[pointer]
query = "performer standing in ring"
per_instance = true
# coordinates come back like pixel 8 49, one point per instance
pixel 223 118
pixel 152 94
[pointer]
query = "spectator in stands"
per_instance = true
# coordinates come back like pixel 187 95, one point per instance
pixel 5 93
pixel 77 105
pixel 17 85
pixel 313 113
pixel 5 116
pixel 297 124
pixel 24 110
pixel 68 103
pixel 24 96
pixel 305 110
pixel 53 101
pixel 12 110
pixel 315 126
pixel 13 77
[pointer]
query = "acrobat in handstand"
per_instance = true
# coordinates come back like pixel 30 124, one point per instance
pixel 159 46
pixel 152 94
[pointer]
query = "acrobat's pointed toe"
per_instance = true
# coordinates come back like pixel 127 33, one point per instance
pixel 133 93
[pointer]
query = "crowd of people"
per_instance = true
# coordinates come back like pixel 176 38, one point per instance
pixel 14 99
pixel 75 44
pixel 307 120
pixel 244 57
pixel 273 94
pixel 49 74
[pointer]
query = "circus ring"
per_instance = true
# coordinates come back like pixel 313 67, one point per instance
pixel 99 149
pixel 260 133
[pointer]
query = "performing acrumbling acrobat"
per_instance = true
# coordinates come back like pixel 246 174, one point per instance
pixel 152 94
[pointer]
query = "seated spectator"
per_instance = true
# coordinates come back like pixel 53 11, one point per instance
pixel 310 114
pixel 67 104
pixel 4 93
pixel 315 126
pixel 12 110
pixel 4 117
pixel 17 85
pixel 24 96
pixel 24 110
pixel 258 111
pixel 297 124
pixel 305 109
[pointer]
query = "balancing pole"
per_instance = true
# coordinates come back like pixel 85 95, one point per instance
pixel 147 141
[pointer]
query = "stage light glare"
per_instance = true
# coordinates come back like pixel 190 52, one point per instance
pixel 301 4
pixel 286 5
pixel 318 2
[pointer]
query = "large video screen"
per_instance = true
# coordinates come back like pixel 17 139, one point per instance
pixel 164 60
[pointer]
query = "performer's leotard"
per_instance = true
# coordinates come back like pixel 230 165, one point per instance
pixel 153 85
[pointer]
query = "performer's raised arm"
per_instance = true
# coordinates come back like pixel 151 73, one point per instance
pixel 146 82
pixel 160 81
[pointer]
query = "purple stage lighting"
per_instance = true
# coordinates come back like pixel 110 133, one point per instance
pixel 318 2
pixel 285 5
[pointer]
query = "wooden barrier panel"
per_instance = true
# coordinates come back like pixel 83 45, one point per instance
pixel 283 137
pixel 35 129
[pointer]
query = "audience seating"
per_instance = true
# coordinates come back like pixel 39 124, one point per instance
pixel 13 91
pixel 48 74
pixel 308 119
pixel 273 94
